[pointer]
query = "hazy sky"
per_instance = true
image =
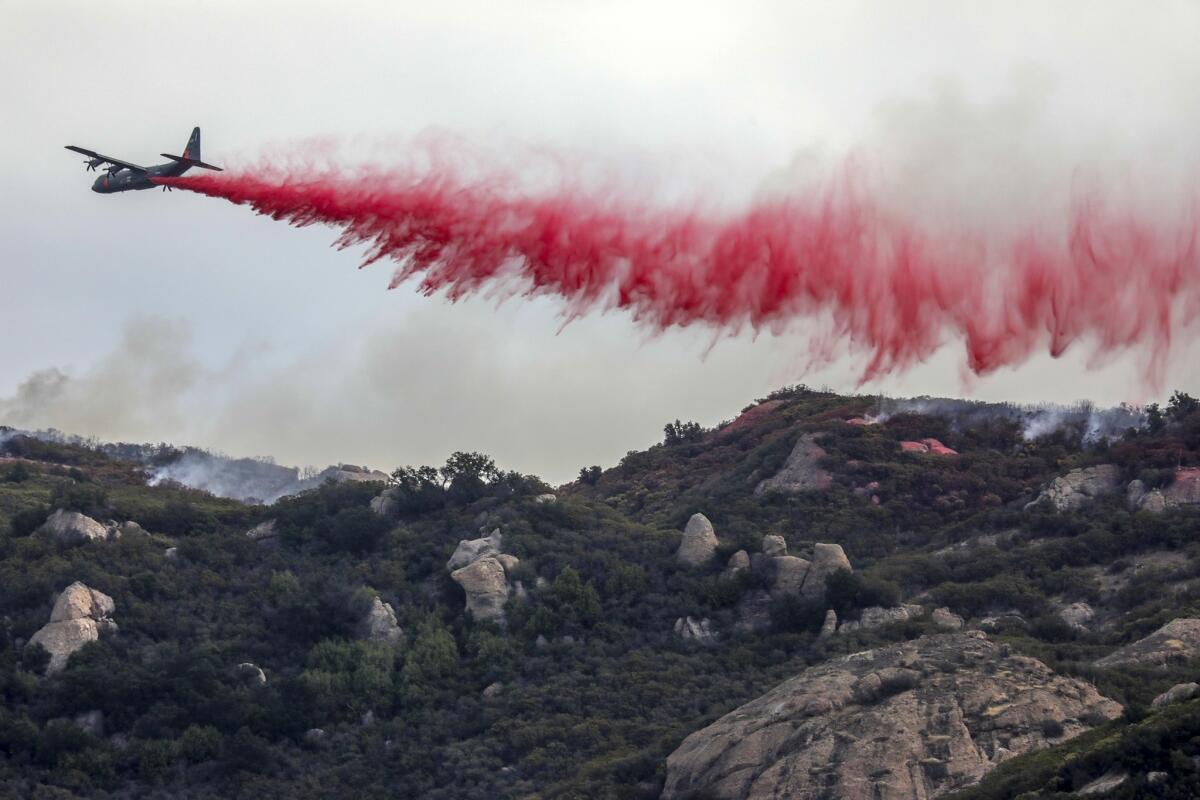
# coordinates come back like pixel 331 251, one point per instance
pixel 184 318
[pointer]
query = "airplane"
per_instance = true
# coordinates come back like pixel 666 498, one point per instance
pixel 123 176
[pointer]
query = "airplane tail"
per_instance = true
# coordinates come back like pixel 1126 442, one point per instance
pixel 191 153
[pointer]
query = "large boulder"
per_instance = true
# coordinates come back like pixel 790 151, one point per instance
pixel 1176 694
pixel 827 559
pixel 1173 643
pixel 1183 491
pixel 694 630
pixel 471 550
pixel 738 562
pixel 264 532
pixel 486 587
pixel 787 574
pixel 379 624
pixel 1079 487
pixel 387 502
pixel 1077 615
pixel 71 527
pixel 912 720
pixel 774 545
pixel 802 472
pixel 699 542
pixel 80 614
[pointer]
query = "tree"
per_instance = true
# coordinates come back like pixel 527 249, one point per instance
pixel 681 433
pixel 468 465
pixel 1154 418
pixel 1181 405
pixel 590 476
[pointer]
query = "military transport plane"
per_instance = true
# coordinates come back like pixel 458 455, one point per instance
pixel 121 176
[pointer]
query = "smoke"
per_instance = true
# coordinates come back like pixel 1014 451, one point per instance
pixel 853 248
pixel 1094 424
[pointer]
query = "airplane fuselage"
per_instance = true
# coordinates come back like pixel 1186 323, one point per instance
pixel 125 180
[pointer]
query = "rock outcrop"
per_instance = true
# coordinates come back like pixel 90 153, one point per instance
pixel 827 559
pixel 878 616
pixel 829 626
pixel 1176 694
pixel 1077 615
pixel 774 545
pixel 1079 487
pixel 694 630
pixel 912 720
pixel 71 527
pixel 738 562
pixel 946 619
pixel 471 550
pixel 80 614
pixel 787 574
pixel 263 532
pixel 1175 642
pixel 486 586
pixel 801 472
pixel 1183 491
pixel 379 624
pixel 387 502
pixel 699 542
pixel 251 674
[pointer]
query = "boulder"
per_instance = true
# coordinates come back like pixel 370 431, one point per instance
pixel 694 630
pixel 471 550
pixel 1175 642
pixel 171 553
pixel 738 562
pixel 1104 784
pixel 699 542
pixel 829 626
pixel 878 616
pixel 946 619
pixel 80 601
pixel 549 497
pixel 802 472
pixel 509 562
pixel 911 720
pixel 1177 694
pixel 263 532
pixel 80 615
pixel 251 674
pixel 387 502
pixel 1184 489
pixel 774 545
pixel 314 735
pixel 71 527
pixel 379 624
pixel 787 574
pixel 827 559
pixel 492 689
pixel 1135 493
pixel 485 586
pixel 1079 487
pixel 128 528
pixel 1077 615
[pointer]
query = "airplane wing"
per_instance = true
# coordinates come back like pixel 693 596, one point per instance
pixel 106 159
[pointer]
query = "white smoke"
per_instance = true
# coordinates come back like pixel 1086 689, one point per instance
pixel 1037 420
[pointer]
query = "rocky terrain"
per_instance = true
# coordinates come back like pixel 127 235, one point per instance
pixel 825 597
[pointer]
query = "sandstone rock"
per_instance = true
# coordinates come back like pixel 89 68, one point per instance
pixel 379 624
pixel 62 639
pixel 484 583
pixel 802 471
pixel 71 527
pixel 79 601
pixel 699 542
pixel 1077 615
pixel 80 615
pixel 738 562
pixel 774 545
pixel 877 616
pixel 787 574
pixel 1177 694
pixel 946 619
pixel 694 630
pixel 471 550
pixel 263 532
pixel 1105 783
pixel 251 674
pixel 827 559
pixel 386 503
pixel 829 626
pixel 508 562
pixel 1177 641
pixel 1079 487
pixel 912 720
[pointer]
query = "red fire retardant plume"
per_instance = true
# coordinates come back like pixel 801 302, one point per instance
pixel 883 283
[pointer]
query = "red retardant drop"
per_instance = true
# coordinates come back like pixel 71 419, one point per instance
pixel 882 283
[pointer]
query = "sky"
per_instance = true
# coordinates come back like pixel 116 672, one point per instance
pixel 150 316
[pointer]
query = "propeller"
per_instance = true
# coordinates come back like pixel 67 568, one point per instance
pixel 92 163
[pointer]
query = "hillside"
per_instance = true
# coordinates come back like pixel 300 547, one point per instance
pixel 464 632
